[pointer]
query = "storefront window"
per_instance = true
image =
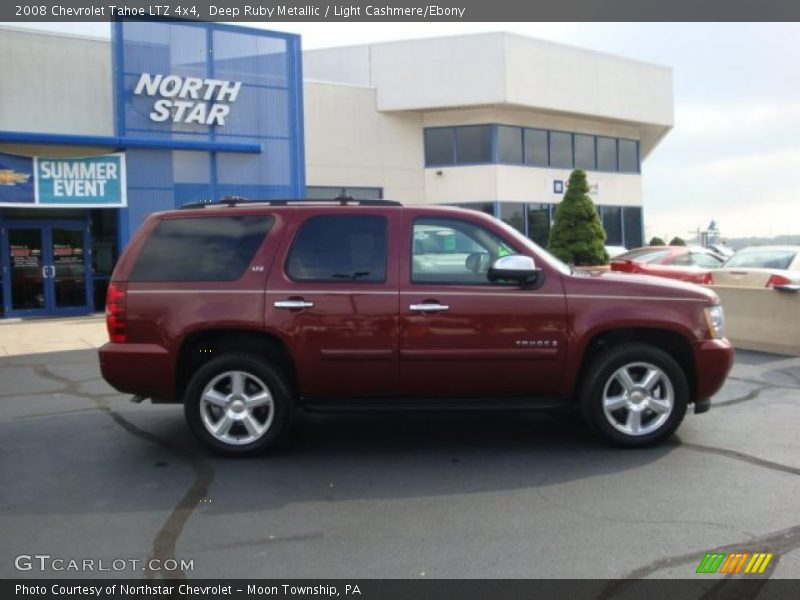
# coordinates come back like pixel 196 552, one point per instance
pixel 632 219
pixel 513 214
pixel 612 223
pixel 539 223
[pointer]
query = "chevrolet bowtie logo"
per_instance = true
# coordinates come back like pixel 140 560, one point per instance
pixel 11 177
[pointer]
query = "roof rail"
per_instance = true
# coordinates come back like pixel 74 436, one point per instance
pixel 341 200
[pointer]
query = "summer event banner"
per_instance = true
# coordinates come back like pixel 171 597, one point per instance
pixel 86 182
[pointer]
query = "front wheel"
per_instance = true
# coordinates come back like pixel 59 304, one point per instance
pixel 634 395
pixel 238 405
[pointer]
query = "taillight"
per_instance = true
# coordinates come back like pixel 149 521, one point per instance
pixel 115 313
pixel 777 280
pixel 706 279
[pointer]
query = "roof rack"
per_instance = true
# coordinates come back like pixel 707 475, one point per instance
pixel 342 200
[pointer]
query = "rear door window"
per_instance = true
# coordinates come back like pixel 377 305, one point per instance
pixel 339 248
pixel 201 249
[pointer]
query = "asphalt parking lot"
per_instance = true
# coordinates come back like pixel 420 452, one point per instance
pixel 87 474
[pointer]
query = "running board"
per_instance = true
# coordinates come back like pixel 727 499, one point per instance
pixel 433 404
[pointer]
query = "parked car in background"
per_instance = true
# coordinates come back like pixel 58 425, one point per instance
pixel 723 250
pixel 614 251
pixel 761 266
pixel 685 263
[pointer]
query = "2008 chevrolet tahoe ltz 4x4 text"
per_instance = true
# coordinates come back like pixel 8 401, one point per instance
pixel 246 312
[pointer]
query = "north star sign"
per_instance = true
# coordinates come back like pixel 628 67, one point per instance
pixel 188 99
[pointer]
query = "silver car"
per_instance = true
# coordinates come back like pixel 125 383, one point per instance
pixel 761 266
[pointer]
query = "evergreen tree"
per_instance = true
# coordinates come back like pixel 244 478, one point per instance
pixel 657 241
pixel 676 241
pixel 578 236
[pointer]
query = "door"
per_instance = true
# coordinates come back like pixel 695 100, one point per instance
pixel 333 296
pixel 462 336
pixel 24 271
pixel 46 269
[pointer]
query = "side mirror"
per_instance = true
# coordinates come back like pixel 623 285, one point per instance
pixel 514 267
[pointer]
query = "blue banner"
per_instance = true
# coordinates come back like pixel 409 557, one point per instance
pixel 89 181
pixel 16 180
pixel 92 181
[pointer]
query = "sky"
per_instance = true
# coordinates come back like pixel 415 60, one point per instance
pixel 734 152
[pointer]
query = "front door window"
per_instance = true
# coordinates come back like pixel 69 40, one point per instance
pixel 69 268
pixel 26 266
pixel 46 268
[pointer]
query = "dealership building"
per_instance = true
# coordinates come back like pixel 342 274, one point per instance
pixel 96 134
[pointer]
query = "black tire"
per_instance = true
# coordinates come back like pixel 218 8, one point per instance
pixel 258 371
pixel 599 374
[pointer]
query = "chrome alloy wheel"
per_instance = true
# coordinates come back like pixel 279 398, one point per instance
pixel 236 408
pixel 638 398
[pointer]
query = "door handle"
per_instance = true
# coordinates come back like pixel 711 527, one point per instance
pixel 429 307
pixel 292 304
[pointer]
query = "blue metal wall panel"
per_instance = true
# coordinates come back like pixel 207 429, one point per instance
pixel 268 112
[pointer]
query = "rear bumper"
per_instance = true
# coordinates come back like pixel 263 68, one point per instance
pixel 142 369
pixel 714 359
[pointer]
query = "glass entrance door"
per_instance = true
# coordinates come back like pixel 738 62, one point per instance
pixel 46 269
pixel 68 267
pixel 26 270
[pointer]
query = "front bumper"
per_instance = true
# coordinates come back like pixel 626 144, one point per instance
pixel 713 359
pixel 142 369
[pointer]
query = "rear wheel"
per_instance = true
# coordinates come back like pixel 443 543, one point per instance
pixel 238 405
pixel 634 395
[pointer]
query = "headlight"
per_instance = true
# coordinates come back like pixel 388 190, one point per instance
pixel 715 318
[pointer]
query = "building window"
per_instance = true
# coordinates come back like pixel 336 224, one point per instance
pixel 536 148
pixel 514 214
pixel 612 223
pixel 628 156
pixel 606 154
pixel 584 152
pixel 539 223
pixel 509 145
pixel 474 144
pixel 440 144
pixel 560 150
pixel 632 223
pixel 322 192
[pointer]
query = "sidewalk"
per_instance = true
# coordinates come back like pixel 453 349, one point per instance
pixel 37 336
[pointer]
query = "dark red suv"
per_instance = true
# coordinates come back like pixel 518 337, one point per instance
pixel 246 312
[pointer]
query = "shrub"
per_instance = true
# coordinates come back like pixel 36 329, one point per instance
pixel 578 236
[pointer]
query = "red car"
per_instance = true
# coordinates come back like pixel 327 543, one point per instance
pixel 248 312
pixel 676 262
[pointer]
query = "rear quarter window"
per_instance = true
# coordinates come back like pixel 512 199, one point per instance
pixel 201 248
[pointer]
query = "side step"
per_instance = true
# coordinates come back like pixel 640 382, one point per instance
pixel 432 404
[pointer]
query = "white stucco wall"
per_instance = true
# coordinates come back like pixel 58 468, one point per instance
pixel 350 143
pixel 55 84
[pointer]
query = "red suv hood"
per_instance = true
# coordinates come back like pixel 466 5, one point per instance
pixel 632 284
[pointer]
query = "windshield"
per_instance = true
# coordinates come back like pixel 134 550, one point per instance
pixel 546 256
pixel 644 255
pixel 762 258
